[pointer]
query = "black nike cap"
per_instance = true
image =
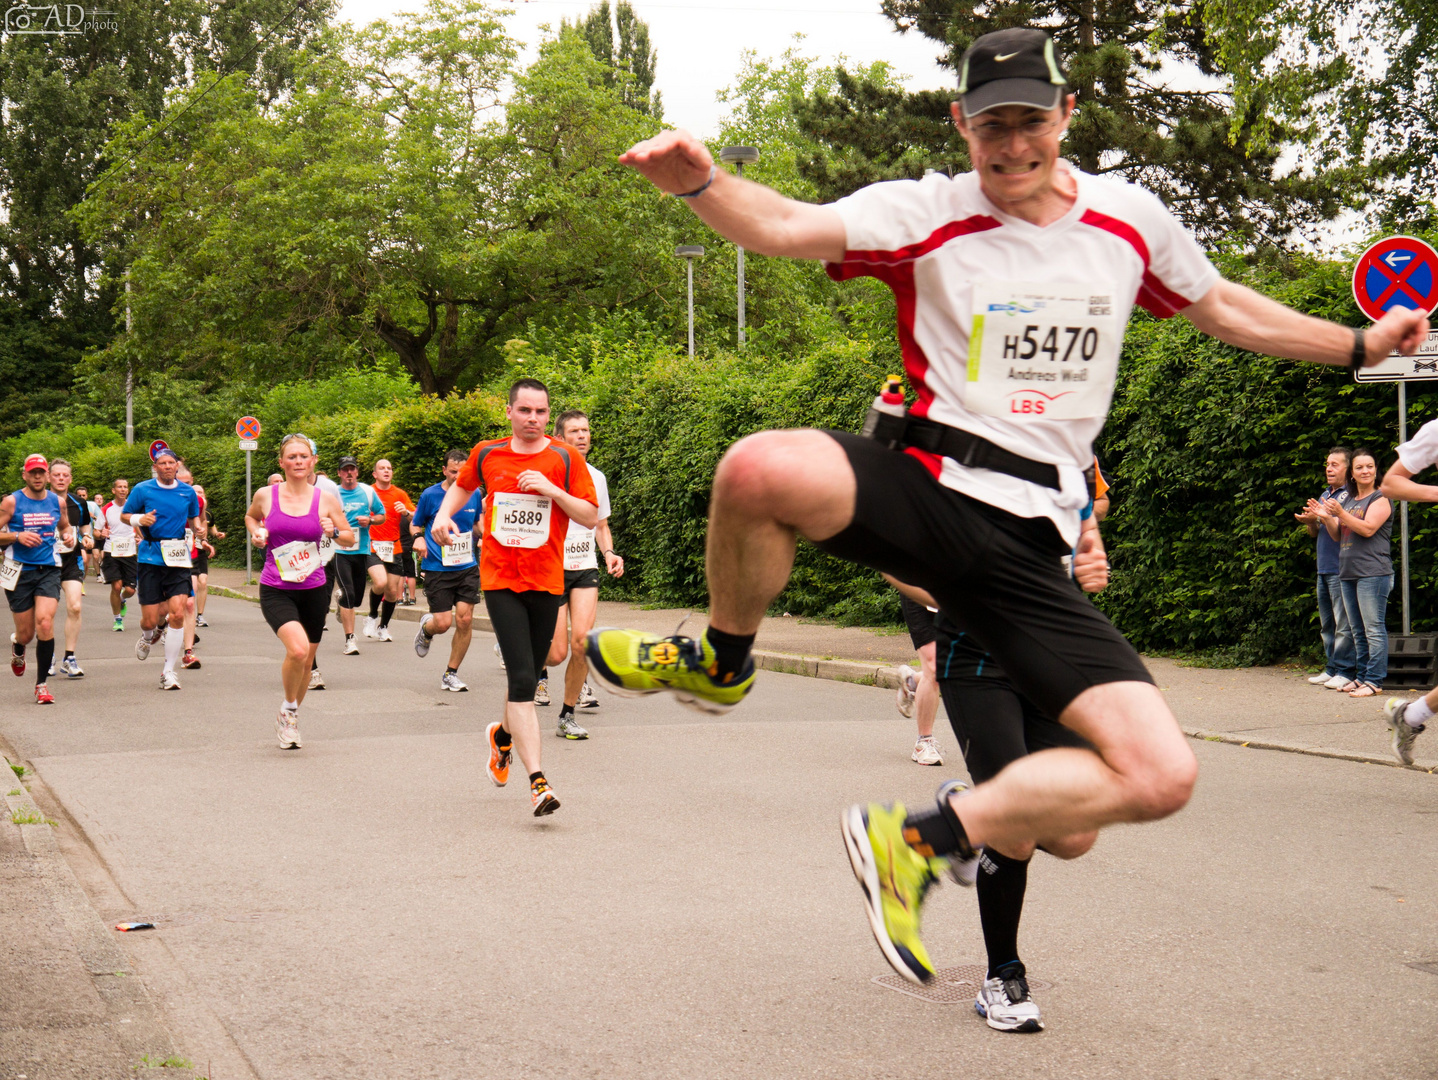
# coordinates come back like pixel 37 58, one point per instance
pixel 1011 67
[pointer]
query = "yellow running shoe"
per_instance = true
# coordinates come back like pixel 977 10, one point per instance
pixel 633 662
pixel 894 878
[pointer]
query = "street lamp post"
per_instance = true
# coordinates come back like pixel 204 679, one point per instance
pixel 739 156
pixel 690 252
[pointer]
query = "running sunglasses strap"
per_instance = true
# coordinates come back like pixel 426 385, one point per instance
pixel 966 448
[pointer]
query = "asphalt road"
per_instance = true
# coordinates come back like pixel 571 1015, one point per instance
pixel 372 907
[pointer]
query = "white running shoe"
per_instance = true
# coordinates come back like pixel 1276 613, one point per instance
pixel 142 647
pixel 169 680
pixel 383 634
pixel 1335 682
pixel 317 681
pixel 1321 679
pixel 908 686
pixel 287 730
pixel 451 682
pixel 370 623
pixel 569 729
pixel 1404 734
pixel 70 667
pixel 587 699
pixel 541 692
pixel 351 646
pixel 422 639
pixel 1005 1003
pixel 926 751
pixel 499 656
pixel 52 667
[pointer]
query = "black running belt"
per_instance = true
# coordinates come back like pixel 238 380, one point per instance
pixel 964 447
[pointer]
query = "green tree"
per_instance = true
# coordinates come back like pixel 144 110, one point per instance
pixel 621 42
pixel 61 98
pixel 1188 145
pixel 1351 83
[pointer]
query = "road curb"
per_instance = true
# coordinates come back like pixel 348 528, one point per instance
pixel 887 676
pixel 1429 767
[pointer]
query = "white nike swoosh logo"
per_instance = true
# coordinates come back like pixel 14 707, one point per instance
pixel 1007 56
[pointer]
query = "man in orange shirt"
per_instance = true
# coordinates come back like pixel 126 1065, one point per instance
pixel 532 486
pixel 384 551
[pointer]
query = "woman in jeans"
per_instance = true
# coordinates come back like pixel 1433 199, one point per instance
pixel 1362 527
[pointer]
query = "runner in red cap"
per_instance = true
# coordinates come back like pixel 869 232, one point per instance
pixel 32 519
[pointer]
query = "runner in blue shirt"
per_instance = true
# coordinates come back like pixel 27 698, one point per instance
pixel 451 574
pixel 363 508
pixel 161 510
pixel 30 521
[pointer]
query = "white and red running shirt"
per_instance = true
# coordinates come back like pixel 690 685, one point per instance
pixel 1012 331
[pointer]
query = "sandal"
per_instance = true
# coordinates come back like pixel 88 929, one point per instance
pixel 1348 687
pixel 1364 690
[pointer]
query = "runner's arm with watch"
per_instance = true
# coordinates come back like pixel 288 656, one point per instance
pixel 334 521
pixel 613 563
pixel 1240 316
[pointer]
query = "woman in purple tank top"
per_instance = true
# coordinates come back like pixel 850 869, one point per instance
pixel 290 521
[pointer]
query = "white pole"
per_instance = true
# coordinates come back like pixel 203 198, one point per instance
pixel 1403 511
pixel 249 547
pixel 739 168
pixel 690 262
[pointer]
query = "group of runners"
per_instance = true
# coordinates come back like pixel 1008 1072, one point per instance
pixel 153 540
pixel 521 520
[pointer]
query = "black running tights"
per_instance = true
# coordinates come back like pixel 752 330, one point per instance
pixel 524 623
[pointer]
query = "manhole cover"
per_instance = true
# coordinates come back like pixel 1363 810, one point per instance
pixel 949 986
pixel 1430 966
pixel 255 916
pixel 182 918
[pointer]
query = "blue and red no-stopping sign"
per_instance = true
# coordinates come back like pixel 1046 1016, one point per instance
pixel 1398 271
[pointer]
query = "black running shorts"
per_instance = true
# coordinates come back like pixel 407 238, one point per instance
pixel 920 621
pixel 125 571
pixel 995 574
pixel 445 588
pixel 580 579
pixel 308 607
pixel 157 583
pixel 71 568
pixel 201 563
pixel 34 581
pixel 994 724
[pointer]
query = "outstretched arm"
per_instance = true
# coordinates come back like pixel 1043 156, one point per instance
pixel 749 214
pixel 1398 483
pixel 1236 314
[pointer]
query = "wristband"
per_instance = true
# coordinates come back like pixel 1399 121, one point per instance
pixel 1360 352
pixel 713 170
pixel 609 552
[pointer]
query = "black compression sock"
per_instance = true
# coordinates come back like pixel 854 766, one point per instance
pixel 1001 885
pixel 731 652
pixel 502 738
pixel 17 648
pixel 386 610
pixel 937 832
pixel 374 599
pixel 44 654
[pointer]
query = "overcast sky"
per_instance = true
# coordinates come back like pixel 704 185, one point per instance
pixel 699 41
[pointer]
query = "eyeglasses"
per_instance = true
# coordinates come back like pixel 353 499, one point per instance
pixel 996 132
pixel 314 450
